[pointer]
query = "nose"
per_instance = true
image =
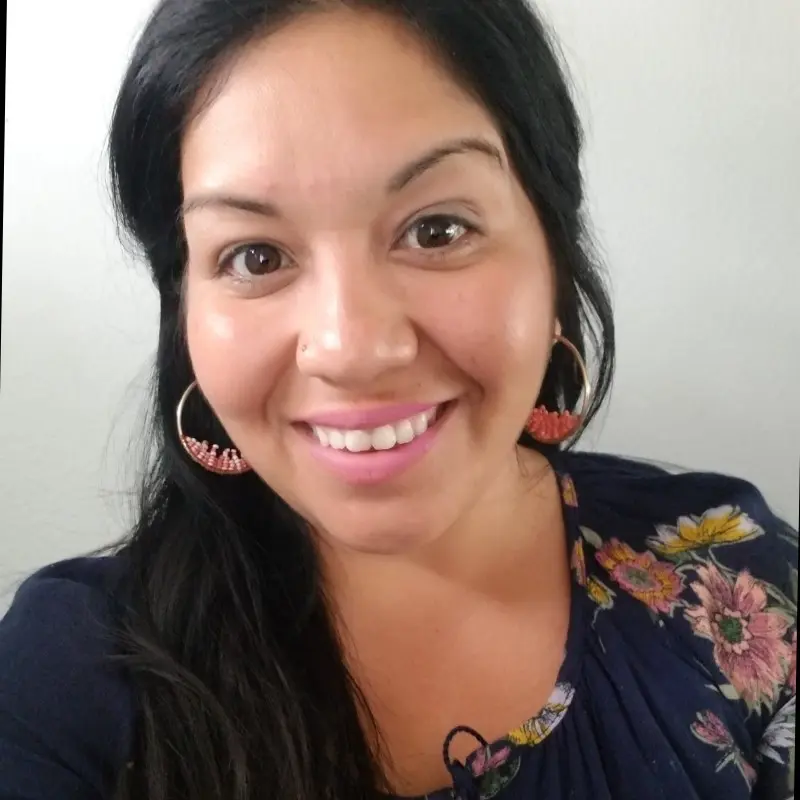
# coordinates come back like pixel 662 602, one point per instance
pixel 355 327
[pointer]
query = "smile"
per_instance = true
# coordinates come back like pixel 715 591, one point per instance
pixel 370 456
pixel 385 437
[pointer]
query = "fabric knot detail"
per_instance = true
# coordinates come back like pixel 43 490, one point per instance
pixel 465 786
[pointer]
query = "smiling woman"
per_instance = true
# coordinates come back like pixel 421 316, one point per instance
pixel 368 561
pixel 351 237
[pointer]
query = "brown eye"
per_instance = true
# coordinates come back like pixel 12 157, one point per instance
pixel 255 260
pixel 436 232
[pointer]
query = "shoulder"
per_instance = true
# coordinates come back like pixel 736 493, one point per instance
pixel 63 609
pixel 686 516
pixel 711 561
pixel 65 709
pixel 639 488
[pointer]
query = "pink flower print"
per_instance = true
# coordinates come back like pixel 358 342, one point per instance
pixel 485 761
pixel 748 637
pixel 709 728
pixel 655 583
pixel 792 680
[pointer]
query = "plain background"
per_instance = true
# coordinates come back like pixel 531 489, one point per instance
pixel 692 113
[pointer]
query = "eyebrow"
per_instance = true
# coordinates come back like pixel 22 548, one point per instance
pixel 397 183
pixel 437 155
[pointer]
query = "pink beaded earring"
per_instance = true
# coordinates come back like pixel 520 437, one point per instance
pixel 554 427
pixel 228 462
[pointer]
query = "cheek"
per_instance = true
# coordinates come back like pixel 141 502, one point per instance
pixel 231 355
pixel 498 328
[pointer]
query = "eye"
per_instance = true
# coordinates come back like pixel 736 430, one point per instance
pixel 253 261
pixel 436 232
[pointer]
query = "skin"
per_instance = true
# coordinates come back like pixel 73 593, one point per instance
pixel 317 122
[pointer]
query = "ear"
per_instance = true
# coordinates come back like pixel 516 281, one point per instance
pixel 558 328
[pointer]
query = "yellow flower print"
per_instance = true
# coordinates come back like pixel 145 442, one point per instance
pixel 723 525
pixel 536 730
pixel 568 492
pixel 578 563
pixel 600 593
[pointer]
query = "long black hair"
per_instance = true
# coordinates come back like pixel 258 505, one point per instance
pixel 225 631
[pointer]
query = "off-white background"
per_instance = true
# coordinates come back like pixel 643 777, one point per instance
pixel 693 118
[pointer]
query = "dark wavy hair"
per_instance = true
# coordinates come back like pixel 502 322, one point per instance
pixel 225 631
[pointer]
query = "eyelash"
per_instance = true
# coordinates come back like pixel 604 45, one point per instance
pixel 453 219
pixel 225 263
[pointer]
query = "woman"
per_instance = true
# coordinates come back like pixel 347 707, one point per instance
pixel 367 562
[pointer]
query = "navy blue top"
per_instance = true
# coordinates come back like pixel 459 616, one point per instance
pixel 678 681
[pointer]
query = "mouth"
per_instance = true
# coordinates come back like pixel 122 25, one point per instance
pixel 390 437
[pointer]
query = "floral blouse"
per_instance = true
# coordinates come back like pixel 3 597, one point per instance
pixel 678 682
pixel 680 674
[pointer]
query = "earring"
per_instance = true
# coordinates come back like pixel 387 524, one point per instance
pixel 554 427
pixel 229 462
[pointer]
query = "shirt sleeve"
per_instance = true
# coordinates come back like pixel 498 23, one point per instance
pixel 776 566
pixel 65 711
pixel 735 614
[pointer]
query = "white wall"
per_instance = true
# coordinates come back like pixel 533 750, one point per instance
pixel 693 117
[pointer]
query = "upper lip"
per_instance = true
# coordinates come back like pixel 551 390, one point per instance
pixel 366 418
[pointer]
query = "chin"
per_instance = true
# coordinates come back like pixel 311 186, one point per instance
pixel 382 527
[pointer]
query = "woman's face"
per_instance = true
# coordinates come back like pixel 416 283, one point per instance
pixel 363 263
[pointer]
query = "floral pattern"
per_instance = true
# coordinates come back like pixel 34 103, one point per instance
pixel 544 723
pixel 779 738
pixel 746 626
pixel 709 728
pixel 578 563
pixel 723 525
pixel 568 493
pixel 485 760
pixel 495 769
pixel 656 583
pixel 748 637
pixel 600 593
pixel 751 625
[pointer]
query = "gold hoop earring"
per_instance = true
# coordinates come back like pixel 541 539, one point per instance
pixel 554 427
pixel 228 462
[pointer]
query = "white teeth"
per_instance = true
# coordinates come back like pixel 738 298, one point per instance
pixel 384 438
pixel 404 431
pixel 336 440
pixel 419 424
pixel 322 435
pixel 358 441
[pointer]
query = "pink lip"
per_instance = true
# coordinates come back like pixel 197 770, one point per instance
pixel 374 467
pixel 367 418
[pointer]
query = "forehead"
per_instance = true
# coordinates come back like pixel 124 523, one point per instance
pixel 335 96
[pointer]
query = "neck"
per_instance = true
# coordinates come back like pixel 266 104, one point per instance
pixel 503 535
